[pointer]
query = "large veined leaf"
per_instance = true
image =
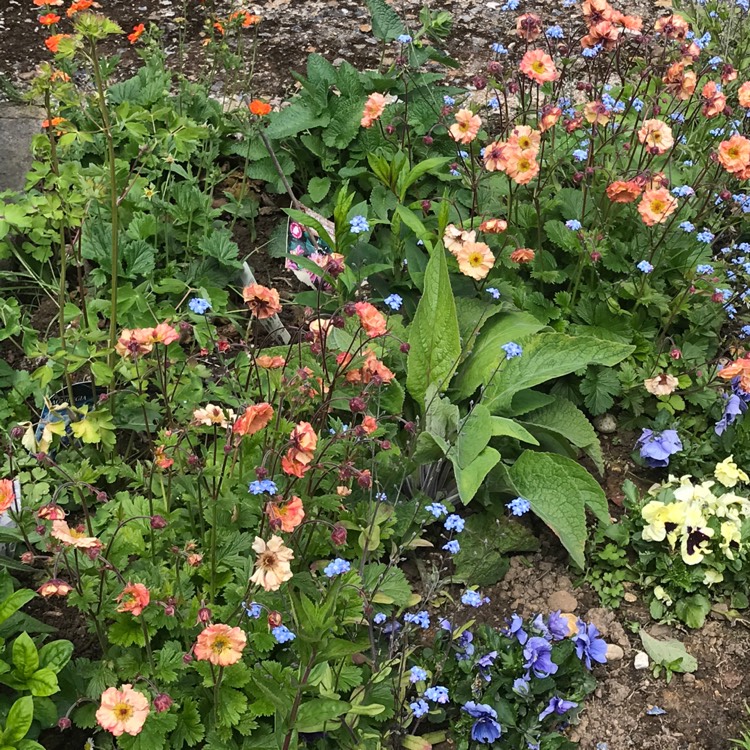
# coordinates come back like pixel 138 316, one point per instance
pixel 547 356
pixel 469 478
pixel 434 344
pixel 474 435
pixel 559 491
pixel 504 427
pixel 487 353
pixel 565 419
pixel 293 119
pixel 386 24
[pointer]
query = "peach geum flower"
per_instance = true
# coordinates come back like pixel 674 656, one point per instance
pixel 262 301
pixel 371 319
pixel 134 599
pixel 475 259
pixel 135 343
pixel 268 362
pixel 454 238
pixel 164 334
pixel 494 156
pixel 525 138
pixel 74 537
pixel 622 191
pixel 734 154
pixel 743 95
pixel 211 414
pixel 521 166
pixel 656 206
pixel 220 644
pixel 54 587
pixel 739 368
pixel 374 108
pixel 466 126
pixel 596 113
pixel 661 385
pixel 493 226
pixel 538 66
pixel 522 255
pixel 288 516
pixel 272 564
pixel 656 136
pixel 254 419
pixel 7 494
pixel 122 711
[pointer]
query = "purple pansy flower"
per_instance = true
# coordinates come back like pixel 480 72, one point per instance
pixel 657 447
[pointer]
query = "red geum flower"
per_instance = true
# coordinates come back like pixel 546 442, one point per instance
pixel 137 33
pixel 48 19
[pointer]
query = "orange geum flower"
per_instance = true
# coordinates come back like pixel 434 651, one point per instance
pixel 161 459
pixel 371 319
pixel 743 95
pixel 221 645
pixel 374 370
pixel 78 6
pixel 622 191
pixel 165 334
pixel 7 494
pixel 304 441
pixel 739 368
pixel 54 587
pixel 525 138
pixel 53 123
pixel 268 362
pixel 122 711
pixel 53 42
pixel 134 599
pixel 656 206
pixel 135 343
pixel 74 537
pixel 539 66
pixel 466 126
pixel 494 156
pixel 288 516
pixel 254 419
pixel 137 32
pixel 596 113
pixel 493 226
pixel 259 108
pixel 549 118
pixel 734 154
pixel 48 19
pixel 45 3
pixel 714 100
pixel 475 259
pixel 369 424
pixel 262 301
pixel 522 166
pixel 673 27
pixel 51 512
pixel 656 135
pixel 248 19
pixel 219 27
pixel 522 255
pixel 272 564
pixel 374 108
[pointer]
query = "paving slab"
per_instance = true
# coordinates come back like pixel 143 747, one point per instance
pixel 18 125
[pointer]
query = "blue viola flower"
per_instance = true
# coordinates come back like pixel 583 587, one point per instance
pixel 485 663
pixel 557 706
pixel 657 447
pixel 515 629
pixel 437 694
pixel 540 627
pixel 486 729
pixel 337 567
pixel 538 655
pixel 199 305
pixel 589 646
pixel 558 626
pixel 512 349
pixel 465 646
pixel 522 686
pixel 282 634
pixel 519 506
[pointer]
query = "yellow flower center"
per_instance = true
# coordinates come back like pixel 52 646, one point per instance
pixel 538 66
pixel 123 711
pixel 220 644
pixel 524 142
pixel 475 260
pixel 658 206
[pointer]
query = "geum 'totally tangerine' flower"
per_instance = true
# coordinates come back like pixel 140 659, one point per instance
pixel 475 259
pixel 262 301
pixel 272 566
pixel 220 644
pixel 465 128
pixel 134 598
pixel 253 419
pixel 136 33
pixel 288 516
pixel 122 711
pixel 539 66
pixel 656 206
pixel 259 108
pixel 374 108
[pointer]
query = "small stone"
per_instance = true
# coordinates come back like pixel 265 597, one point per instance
pixel 606 424
pixel 688 679
pixel 563 601
pixel 614 652
pixel 641 660
pixel 630 598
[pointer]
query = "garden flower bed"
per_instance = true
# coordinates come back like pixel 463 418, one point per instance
pixel 403 411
